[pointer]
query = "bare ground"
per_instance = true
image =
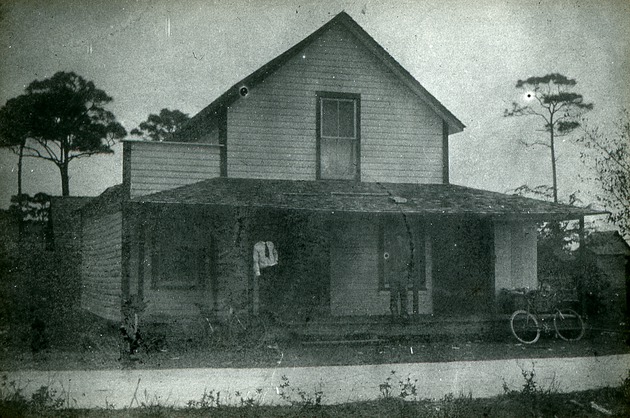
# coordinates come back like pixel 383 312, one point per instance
pixel 102 350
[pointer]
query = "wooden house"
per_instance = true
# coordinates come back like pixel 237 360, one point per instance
pixel 332 152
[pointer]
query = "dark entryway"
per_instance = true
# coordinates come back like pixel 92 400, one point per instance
pixel 298 287
pixel 463 268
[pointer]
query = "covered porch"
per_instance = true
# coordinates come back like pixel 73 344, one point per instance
pixel 190 252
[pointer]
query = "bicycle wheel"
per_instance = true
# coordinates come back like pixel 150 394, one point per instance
pixel 525 327
pixel 568 324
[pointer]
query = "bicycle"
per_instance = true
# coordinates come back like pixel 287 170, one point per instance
pixel 527 324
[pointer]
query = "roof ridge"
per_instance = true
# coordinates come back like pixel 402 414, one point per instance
pixel 232 93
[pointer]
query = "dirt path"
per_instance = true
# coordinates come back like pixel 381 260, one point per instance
pixel 339 384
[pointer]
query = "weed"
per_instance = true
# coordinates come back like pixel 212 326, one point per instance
pixel 406 388
pixel 151 402
pixel 386 387
pixel 530 388
pixel 212 399
pixel 249 401
pixel 453 407
pixel 13 402
pixel 625 385
pixel 46 397
pixel 109 406
pixel 130 329
pixel 534 398
pixel 11 395
pixel 208 400
pixel 305 399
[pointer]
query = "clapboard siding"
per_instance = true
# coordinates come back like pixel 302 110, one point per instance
pixel 401 136
pixel 157 166
pixel 101 265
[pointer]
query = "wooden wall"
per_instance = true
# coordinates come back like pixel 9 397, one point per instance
pixel 271 132
pixel 66 221
pixel 156 166
pixel 515 248
pixel 101 265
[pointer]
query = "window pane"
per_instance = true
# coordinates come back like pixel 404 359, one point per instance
pixel 329 118
pixel 346 119
pixel 338 159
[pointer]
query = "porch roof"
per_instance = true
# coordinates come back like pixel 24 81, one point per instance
pixel 358 197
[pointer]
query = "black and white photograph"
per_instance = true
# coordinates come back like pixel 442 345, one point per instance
pixel 291 208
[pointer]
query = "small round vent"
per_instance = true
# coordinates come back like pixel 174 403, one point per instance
pixel 243 91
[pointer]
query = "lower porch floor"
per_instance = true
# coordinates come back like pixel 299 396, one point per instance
pixel 364 329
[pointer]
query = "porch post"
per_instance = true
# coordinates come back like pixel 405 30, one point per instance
pixel 581 262
pixel 255 294
pixel 415 289
pixel 141 257
pixel 253 281
pixel 428 269
pixel 154 252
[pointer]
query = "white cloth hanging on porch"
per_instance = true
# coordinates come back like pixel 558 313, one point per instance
pixel 265 255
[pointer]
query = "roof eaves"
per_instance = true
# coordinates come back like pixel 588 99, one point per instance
pixel 261 73
pixel 455 125
pixel 442 200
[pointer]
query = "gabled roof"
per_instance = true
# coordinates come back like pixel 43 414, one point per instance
pixel 454 124
pixel 342 196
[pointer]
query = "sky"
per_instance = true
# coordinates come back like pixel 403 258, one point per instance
pixel 150 55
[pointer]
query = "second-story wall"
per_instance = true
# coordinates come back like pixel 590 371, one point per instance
pixel 151 167
pixel 271 132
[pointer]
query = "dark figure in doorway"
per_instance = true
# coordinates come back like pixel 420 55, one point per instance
pixel 399 260
pixel 398 292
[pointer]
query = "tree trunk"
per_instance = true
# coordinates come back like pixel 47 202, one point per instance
pixel 553 163
pixel 19 179
pixel 65 179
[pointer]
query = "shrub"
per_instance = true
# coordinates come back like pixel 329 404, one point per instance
pixel 13 402
pixel 41 294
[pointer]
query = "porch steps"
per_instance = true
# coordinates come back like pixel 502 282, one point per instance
pixel 376 329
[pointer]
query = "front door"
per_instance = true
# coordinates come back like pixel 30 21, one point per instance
pixel 463 269
pixel 403 257
pixel 354 286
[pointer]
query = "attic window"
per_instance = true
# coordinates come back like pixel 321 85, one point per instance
pixel 338 118
pixel 338 134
